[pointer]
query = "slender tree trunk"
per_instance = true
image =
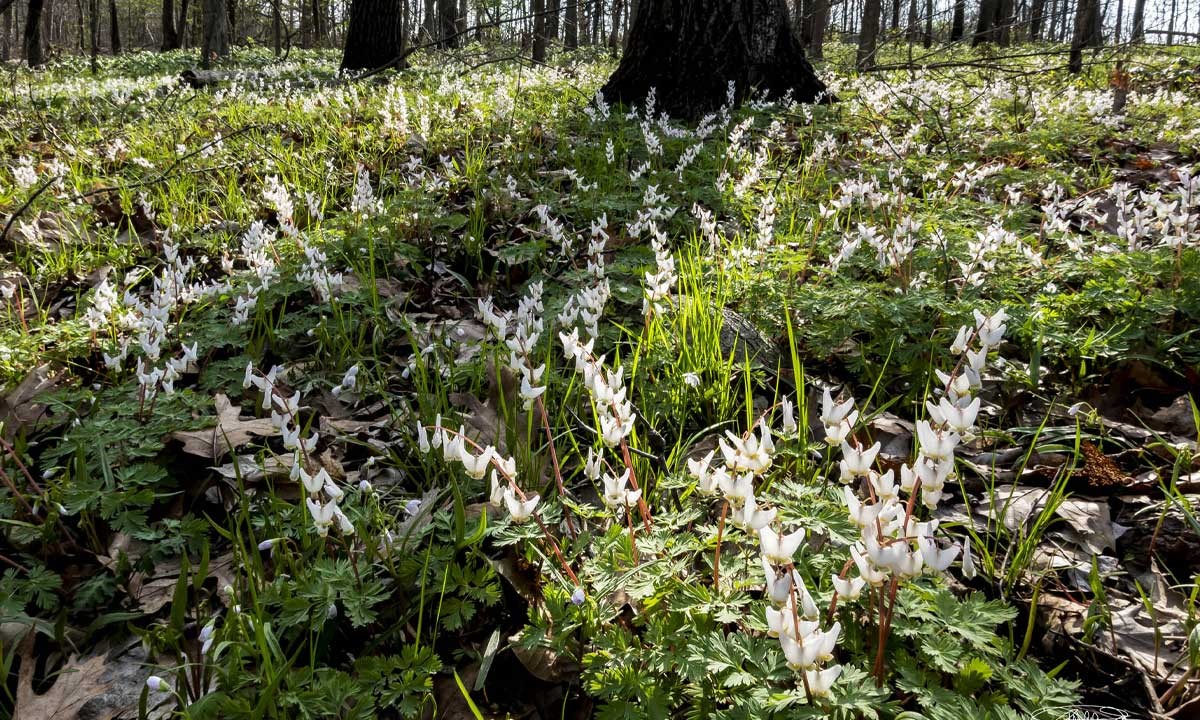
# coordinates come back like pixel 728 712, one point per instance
pixel 1171 25
pixel 959 21
pixel 868 36
pixel 427 22
pixel 1120 21
pixel 94 34
pixel 231 9
pixel 895 15
pixel 553 11
pixel 1036 10
pixel 114 28
pixel 1081 38
pixel 49 32
pixel 571 25
pixel 910 30
pixel 182 25
pixel 277 29
pixel 375 37
pixel 820 21
pixel 615 32
pixel 215 32
pixel 447 23
pixel 170 39
pixel 927 40
pixel 1004 22
pixel 1138 32
pixel 538 8
pixel 985 26
pixel 6 32
pixel 33 33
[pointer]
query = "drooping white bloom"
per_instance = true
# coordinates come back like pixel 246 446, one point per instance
pixel 476 465
pixel 520 510
pixel 617 493
pixel 857 463
pixel 777 547
pixel 820 683
pixel 706 479
pixel 848 588
pixel 788 411
pixel 750 517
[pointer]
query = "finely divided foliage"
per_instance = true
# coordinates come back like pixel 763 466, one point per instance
pixel 495 424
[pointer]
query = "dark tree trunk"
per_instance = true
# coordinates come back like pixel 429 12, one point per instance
pixel 1138 33
pixel 277 29
pixel 818 23
pixel 182 25
pixel 1085 24
pixel 215 32
pixel 114 28
pixel 1004 22
pixel 375 37
pixel 910 30
pixel 571 25
pixel 231 9
pixel 447 23
pixel 552 16
pixel 1171 25
pixel 538 8
pixel 1036 10
pixel 985 27
pixel 868 35
pixel 170 38
pixel 927 39
pixel 6 30
pixel 94 34
pixel 428 22
pixel 691 52
pixel 895 15
pixel 33 33
pixel 1120 20
pixel 615 33
pixel 959 21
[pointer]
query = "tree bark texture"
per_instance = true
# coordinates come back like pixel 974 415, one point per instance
pixel 33 33
pixel 94 34
pixel 538 8
pixel 1139 22
pixel 690 50
pixel 375 37
pixel 817 25
pixel 868 35
pixel 214 32
pixel 1036 12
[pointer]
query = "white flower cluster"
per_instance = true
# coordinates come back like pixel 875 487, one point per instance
pixel 660 282
pixel 522 342
pixel 607 389
pixel 456 448
pixel 793 616
pixel 277 196
pixel 258 250
pixel 587 304
pixel 24 174
pixel 364 203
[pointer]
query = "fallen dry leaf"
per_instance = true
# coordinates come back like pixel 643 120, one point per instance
pixel 230 432
pixel 154 593
pixel 19 407
pixel 101 686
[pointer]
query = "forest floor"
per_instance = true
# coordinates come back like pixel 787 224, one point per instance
pixel 233 322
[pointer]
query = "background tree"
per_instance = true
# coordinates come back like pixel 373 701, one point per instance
pixel 215 29
pixel 114 28
pixel 375 38
pixel 690 52
pixel 1086 34
pixel 868 36
pixel 32 44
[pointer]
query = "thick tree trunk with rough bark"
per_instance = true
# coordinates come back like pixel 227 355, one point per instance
pixel 868 35
pixel 375 37
pixel 985 27
pixel 447 23
pixel 214 32
pixel 690 50
pixel 33 33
